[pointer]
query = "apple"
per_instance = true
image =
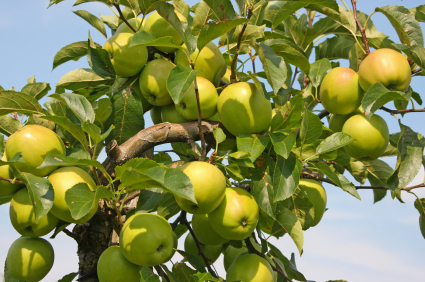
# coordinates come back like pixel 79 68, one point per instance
pixel 204 232
pixel 212 252
pixel 156 114
pixel 127 61
pixel 336 122
pixel 175 245
pixel 22 217
pixel 136 23
pixel 114 267
pixel 30 259
pixel 208 97
pixel 209 185
pixel 146 239
pixel 210 59
pixel 317 196
pixel 250 268
pixel 215 117
pixel 231 253
pixel 7 189
pixel 34 142
pixel 370 137
pixel 170 114
pixel 243 109
pixel 340 92
pixel 237 215
pixel 64 179
pixel 160 28
pixel 153 82
pixel 386 66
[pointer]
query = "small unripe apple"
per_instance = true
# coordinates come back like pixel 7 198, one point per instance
pixel 22 216
pixel 317 196
pixel 340 92
pixel 212 252
pixel 34 142
pixel 136 23
pixel 170 114
pixel 250 268
pixel 113 266
pixel 204 232
pixel 386 66
pixel 155 113
pixel 7 189
pixel 231 253
pixel 336 122
pixel 370 137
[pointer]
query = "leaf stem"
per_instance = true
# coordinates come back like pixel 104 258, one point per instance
pixel 368 18
pixel 362 30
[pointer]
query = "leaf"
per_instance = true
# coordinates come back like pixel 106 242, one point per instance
pixel 162 157
pixel 416 53
pixel 103 193
pixel 219 135
pixel 289 115
pixel 92 20
pixel 303 208
pixel 79 199
pixel 420 13
pixel 82 78
pixel 70 127
pixel 263 193
pixel 5 200
pixel 286 10
pixel 149 199
pixel 95 133
pixel 193 261
pixel 183 272
pixel 290 223
pixel 234 172
pixel 254 144
pixel 334 142
pixel 178 183
pixel 168 206
pixel 311 127
pixel 405 24
pixel 11 101
pixel 78 2
pixel 59 160
pixel 37 90
pixel 147 275
pixel 282 143
pixel 9 125
pixel 286 176
pixel 100 62
pixel 337 47
pixel 147 38
pixel 318 71
pixel 69 277
pixel 201 16
pixel 73 51
pixel 377 173
pixel 223 9
pixel 202 277
pixel 180 80
pixel 78 104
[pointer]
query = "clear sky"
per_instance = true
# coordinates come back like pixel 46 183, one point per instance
pixel 357 240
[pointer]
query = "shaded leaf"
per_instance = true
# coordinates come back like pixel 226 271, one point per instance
pixel 37 90
pixel 92 20
pixel 286 176
pixel 180 81
pixel 318 71
pixel 11 101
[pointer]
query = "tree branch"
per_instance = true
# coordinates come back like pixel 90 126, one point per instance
pixel 393 112
pixel 117 6
pixel 362 30
pixel 11 181
pixel 417 70
pixel 323 113
pixel 71 234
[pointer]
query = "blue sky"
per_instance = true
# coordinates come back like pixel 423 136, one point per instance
pixel 355 241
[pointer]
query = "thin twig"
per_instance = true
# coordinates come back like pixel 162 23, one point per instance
pixel 76 237
pixel 417 70
pixel 11 181
pixel 161 272
pixel 393 112
pixel 323 113
pixel 117 6
pixel 252 60
pixel 362 30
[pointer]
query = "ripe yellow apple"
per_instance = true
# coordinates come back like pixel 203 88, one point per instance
pixel 146 239
pixel 243 109
pixel 64 179
pixel 231 253
pixel 127 61
pixel 209 185
pixel 170 114
pixel 30 259
pixel 113 266
pixel 370 137
pixel 22 216
pixel 317 196
pixel 250 268
pixel 7 189
pixel 237 215
pixel 34 142
pixel 204 232
pixel 336 122
pixel 340 91
pixel 386 66
pixel 212 252
pixel 136 23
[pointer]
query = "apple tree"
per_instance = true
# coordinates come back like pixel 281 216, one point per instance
pixel 249 149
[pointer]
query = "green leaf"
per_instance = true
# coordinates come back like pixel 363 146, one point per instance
pixel 183 272
pixel 254 144
pixel 193 261
pixel 219 135
pixel 180 80
pixel 78 2
pixel 377 173
pixel 82 78
pixel 318 71
pixel 286 10
pixel 92 20
pixel 337 47
pixel 168 206
pixel 178 183
pixel 103 193
pixel 100 62
pixel 282 143
pixel 73 51
pixel 149 199
pixel 263 193
pixel 420 13
pixel 37 90
pixel 102 109
pixel 311 127
pixel 69 277
pixel 9 125
pixel 289 115
pixel 52 2
pixel 202 277
pixel 70 127
pixel 147 275
pixel 80 200
pixel 95 133
pixel 223 9
pixel 303 208
pixel 201 16
pixel 162 157
pixel 59 160
pixel 78 104
pixel 11 101
pixel 416 53
pixel 334 142
pixel 290 223
pixel 286 176
pixel 147 38
pixel 5 200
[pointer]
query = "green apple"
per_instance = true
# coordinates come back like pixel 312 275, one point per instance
pixel 204 232
pixel 160 28
pixel 210 59
pixel 127 61
pixel 113 266
pixel 250 268
pixel 370 137
pixel 153 82
pixel 136 23
pixel 243 109
pixel 212 252
pixel 156 114
pixel 64 179
pixel 336 122
pixel 22 216
pixel 146 239
pixel 237 215
pixel 170 114
pixel 209 185
pixel 215 117
pixel 317 196
pixel 386 66
pixel 231 253
pixel 175 245
pixel 208 97
pixel 7 189
pixel 340 92
pixel 34 142
pixel 30 259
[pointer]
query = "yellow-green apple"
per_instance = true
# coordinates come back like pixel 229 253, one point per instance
pixel 156 114
pixel 160 28
pixel 6 188
pixel 215 117
pixel 146 239
pixel 370 137
pixel 340 92
pixel 204 232
pixel 209 185
pixel 127 61
pixel 22 216
pixel 64 179
pixel 237 215
pixel 113 266
pixel 208 97
pixel 317 196
pixel 336 122
pixel 210 59
pixel 175 244
pixel 153 82
pixel 243 109
pixel 250 268
pixel 34 142
pixel 386 66
pixel 30 259
pixel 170 114
pixel 136 23
pixel 212 252
pixel 231 253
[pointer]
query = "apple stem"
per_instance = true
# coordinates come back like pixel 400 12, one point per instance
pixel 362 30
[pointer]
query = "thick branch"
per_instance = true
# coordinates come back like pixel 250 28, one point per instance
pixel 71 234
pixel 362 30
pixel 393 112
pixel 12 181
